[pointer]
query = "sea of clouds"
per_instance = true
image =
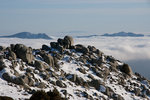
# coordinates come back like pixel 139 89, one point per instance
pixel 131 50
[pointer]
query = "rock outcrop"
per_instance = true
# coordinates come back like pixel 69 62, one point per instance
pixel 76 71
pixel 23 52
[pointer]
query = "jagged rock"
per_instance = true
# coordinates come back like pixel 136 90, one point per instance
pixel 20 80
pixel 111 59
pixel 82 70
pixel 45 76
pixel 81 48
pixel 24 53
pixel 12 47
pixel 92 48
pixel 7 77
pixel 48 59
pixel 2 64
pixel 126 69
pixel 87 96
pixel 79 81
pixel 1 57
pixel 40 66
pixel 60 42
pixel 109 92
pixel 30 81
pixel 29 70
pixel 96 61
pixel 99 53
pixel 58 56
pixel 41 85
pixel 57 46
pixel 95 70
pixel 5 98
pixel 137 91
pixel 105 73
pixel 45 47
pixel 73 66
pixel 12 55
pixel 90 76
pixel 71 77
pixel 56 63
pixel 68 41
pixel 148 92
pixel 2 48
pixel 59 83
pixel 54 45
pixel 95 83
pixel 83 60
pixel 118 97
pixel 25 79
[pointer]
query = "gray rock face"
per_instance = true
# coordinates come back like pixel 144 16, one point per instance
pixel 81 48
pixel 60 41
pixel 45 47
pixel 118 97
pixel 40 66
pixel 54 45
pixel 9 78
pixel 41 85
pixel 2 65
pixel 57 46
pixel 68 41
pixel 2 48
pixel 59 83
pixel 48 59
pixel 126 69
pixel 12 55
pixel 24 53
pixel 137 91
pixel 95 83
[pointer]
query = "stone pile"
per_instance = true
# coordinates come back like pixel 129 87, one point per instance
pixel 47 63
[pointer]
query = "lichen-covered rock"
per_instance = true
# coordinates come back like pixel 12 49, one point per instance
pixel 40 66
pixel 12 55
pixel 54 45
pixel 41 85
pixel 57 46
pixel 60 83
pixel 45 47
pixel 2 48
pixel 7 77
pixel 126 69
pixel 118 97
pixel 5 98
pixel 137 91
pixel 15 80
pixel 95 83
pixel 2 64
pixel 48 59
pixel 60 42
pixel 24 53
pixel 68 41
pixel 81 48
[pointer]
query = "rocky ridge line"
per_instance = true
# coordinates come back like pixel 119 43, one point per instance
pixel 76 71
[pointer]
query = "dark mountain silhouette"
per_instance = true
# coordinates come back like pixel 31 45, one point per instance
pixel 28 35
pixel 123 34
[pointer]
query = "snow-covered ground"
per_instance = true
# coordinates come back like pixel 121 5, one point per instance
pixel 133 50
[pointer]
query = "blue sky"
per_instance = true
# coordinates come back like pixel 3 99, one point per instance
pixel 93 16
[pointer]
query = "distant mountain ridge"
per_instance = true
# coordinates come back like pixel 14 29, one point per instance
pixel 28 35
pixel 123 34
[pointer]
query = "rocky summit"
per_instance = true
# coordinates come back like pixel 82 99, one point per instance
pixel 72 72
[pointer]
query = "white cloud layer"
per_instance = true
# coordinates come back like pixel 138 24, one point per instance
pixel 132 50
pixel 123 48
